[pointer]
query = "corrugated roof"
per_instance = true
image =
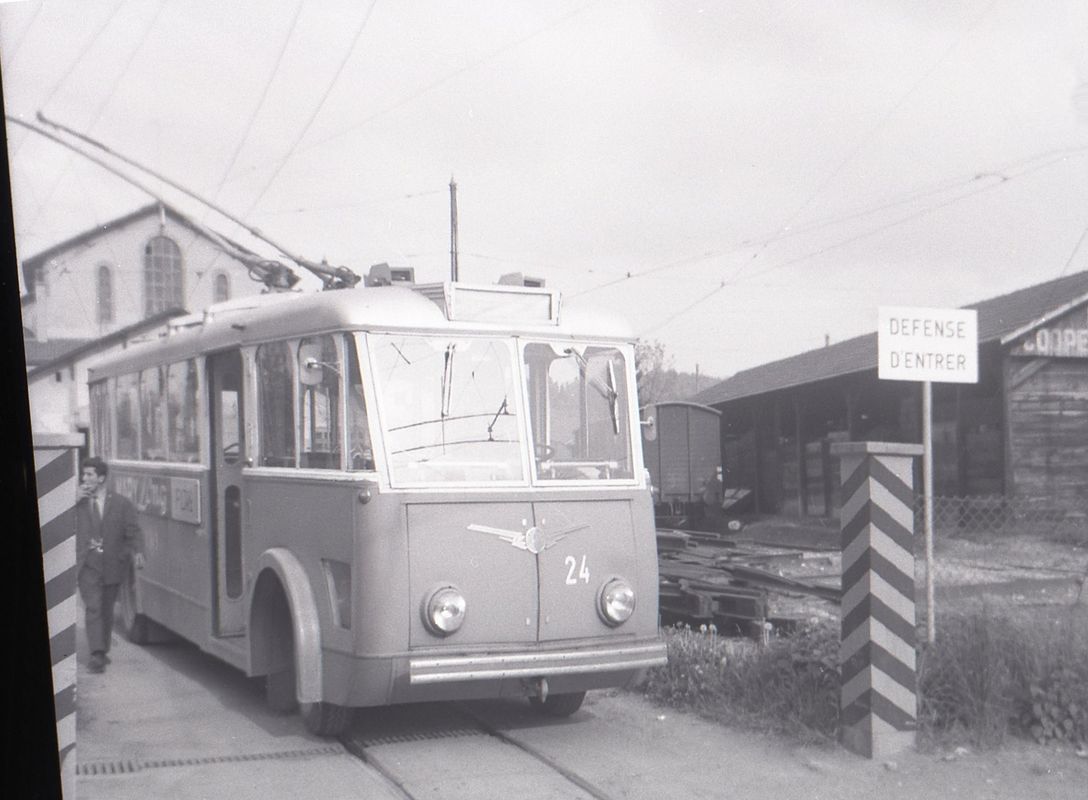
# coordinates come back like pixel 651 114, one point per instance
pixel 997 317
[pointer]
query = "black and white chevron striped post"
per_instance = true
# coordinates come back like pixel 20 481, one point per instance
pixel 56 473
pixel 877 651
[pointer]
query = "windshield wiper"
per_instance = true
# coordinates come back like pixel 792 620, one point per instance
pixel 501 412
pixel 447 381
pixel 608 392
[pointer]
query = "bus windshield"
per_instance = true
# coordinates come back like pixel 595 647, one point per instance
pixel 578 407
pixel 449 408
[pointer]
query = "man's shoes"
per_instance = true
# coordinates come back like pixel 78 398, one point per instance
pixel 97 662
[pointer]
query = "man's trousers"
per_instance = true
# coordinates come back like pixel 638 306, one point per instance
pixel 99 600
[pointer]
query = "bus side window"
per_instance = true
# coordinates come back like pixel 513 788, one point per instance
pixel 360 449
pixel 319 385
pixel 181 411
pixel 101 417
pixel 152 438
pixel 128 427
pixel 276 400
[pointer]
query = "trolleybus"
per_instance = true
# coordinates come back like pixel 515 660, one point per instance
pixel 390 494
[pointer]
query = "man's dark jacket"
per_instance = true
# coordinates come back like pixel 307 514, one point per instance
pixel 118 530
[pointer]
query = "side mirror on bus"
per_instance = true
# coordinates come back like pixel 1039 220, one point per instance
pixel 311 369
pixel 649 428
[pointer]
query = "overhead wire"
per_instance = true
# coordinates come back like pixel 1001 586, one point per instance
pixel 502 50
pixel 260 102
pixel 871 133
pixel 1000 174
pixel 9 61
pixel 83 52
pixel 72 66
pixel 245 134
pixel 782 235
pixel 684 310
pixel 317 109
pixel 1076 249
pixel 457 73
pixel 906 218
pixel 101 106
pixel 862 235
pixel 373 203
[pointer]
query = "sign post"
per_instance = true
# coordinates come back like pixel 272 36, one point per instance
pixel 928 345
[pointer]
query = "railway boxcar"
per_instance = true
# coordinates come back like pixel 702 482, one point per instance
pixel 682 451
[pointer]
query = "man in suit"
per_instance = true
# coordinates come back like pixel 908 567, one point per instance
pixel 107 539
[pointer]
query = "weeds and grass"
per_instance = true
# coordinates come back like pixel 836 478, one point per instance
pixel 789 685
pixel 993 674
pixel 989 675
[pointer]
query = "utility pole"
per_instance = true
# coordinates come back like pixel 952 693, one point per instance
pixel 453 229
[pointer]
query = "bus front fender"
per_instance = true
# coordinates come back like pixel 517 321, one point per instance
pixel 305 623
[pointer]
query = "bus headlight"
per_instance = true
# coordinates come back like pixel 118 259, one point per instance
pixel 444 610
pixel 617 602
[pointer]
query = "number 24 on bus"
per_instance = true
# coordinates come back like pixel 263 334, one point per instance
pixel 391 494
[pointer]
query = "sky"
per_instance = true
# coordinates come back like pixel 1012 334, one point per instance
pixel 743 181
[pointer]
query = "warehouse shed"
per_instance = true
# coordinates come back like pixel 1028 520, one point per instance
pixel 1019 434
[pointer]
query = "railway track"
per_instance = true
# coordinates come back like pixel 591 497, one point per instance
pixel 709 578
pixel 431 750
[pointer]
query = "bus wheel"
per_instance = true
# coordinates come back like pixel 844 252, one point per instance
pixel 326 719
pixel 136 627
pixel 558 705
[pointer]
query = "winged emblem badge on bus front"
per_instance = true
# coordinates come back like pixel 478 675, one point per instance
pixel 534 539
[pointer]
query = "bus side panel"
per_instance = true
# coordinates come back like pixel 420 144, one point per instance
pixel 382 608
pixel 312 519
pixel 175 583
pixel 647 613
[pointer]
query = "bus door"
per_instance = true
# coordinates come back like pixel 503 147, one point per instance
pixel 228 448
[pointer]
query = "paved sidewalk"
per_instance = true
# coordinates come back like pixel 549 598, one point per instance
pixel 169 721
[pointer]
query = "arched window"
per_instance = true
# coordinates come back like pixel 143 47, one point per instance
pixel 163 278
pixel 222 288
pixel 105 295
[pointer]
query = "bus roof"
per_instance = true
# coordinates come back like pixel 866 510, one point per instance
pixel 424 309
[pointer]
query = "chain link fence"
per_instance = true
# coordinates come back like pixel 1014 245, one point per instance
pixel 999 515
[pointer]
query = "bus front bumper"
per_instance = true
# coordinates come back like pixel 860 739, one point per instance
pixel 580 661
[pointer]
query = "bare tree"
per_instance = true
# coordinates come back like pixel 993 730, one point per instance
pixel 657 378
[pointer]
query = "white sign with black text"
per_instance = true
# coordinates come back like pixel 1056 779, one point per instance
pixel 927 344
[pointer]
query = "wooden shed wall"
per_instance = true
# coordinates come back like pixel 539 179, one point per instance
pixel 1047 428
